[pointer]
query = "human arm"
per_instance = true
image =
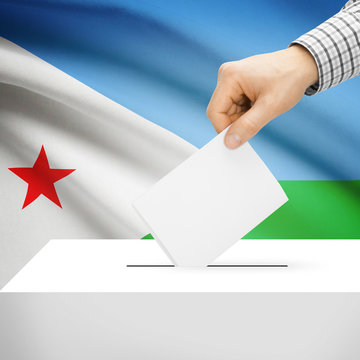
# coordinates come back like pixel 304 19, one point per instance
pixel 252 92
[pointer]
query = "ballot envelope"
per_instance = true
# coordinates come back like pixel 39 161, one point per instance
pixel 209 202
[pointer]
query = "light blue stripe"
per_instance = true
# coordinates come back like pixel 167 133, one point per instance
pixel 160 59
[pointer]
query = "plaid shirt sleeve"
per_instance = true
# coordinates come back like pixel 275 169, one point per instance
pixel 335 46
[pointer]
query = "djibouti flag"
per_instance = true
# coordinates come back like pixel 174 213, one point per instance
pixel 71 160
pixel 161 61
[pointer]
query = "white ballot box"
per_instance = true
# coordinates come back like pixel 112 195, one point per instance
pixel 261 300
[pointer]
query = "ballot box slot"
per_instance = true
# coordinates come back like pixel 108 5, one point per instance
pixel 249 265
pixel 150 265
pixel 216 266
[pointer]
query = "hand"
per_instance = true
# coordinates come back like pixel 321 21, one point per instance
pixel 253 91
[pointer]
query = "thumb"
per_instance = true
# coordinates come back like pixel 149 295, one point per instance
pixel 249 124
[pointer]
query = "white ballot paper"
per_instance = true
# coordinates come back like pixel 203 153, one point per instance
pixel 210 201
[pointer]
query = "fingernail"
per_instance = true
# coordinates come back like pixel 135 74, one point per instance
pixel 232 141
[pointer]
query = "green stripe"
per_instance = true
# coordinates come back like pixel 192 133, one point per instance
pixel 148 236
pixel 315 210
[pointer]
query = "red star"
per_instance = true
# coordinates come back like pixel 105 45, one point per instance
pixel 41 179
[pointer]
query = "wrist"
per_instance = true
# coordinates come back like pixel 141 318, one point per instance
pixel 302 64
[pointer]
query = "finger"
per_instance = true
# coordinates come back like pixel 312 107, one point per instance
pixel 218 108
pixel 239 106
pixel 233 110
pixel 223 109
pixel 240 110
pixel 244 128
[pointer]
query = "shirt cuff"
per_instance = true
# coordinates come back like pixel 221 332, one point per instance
pixel 314 88
pixel 335 47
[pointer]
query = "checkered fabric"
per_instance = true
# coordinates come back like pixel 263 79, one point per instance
pixel 335 46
